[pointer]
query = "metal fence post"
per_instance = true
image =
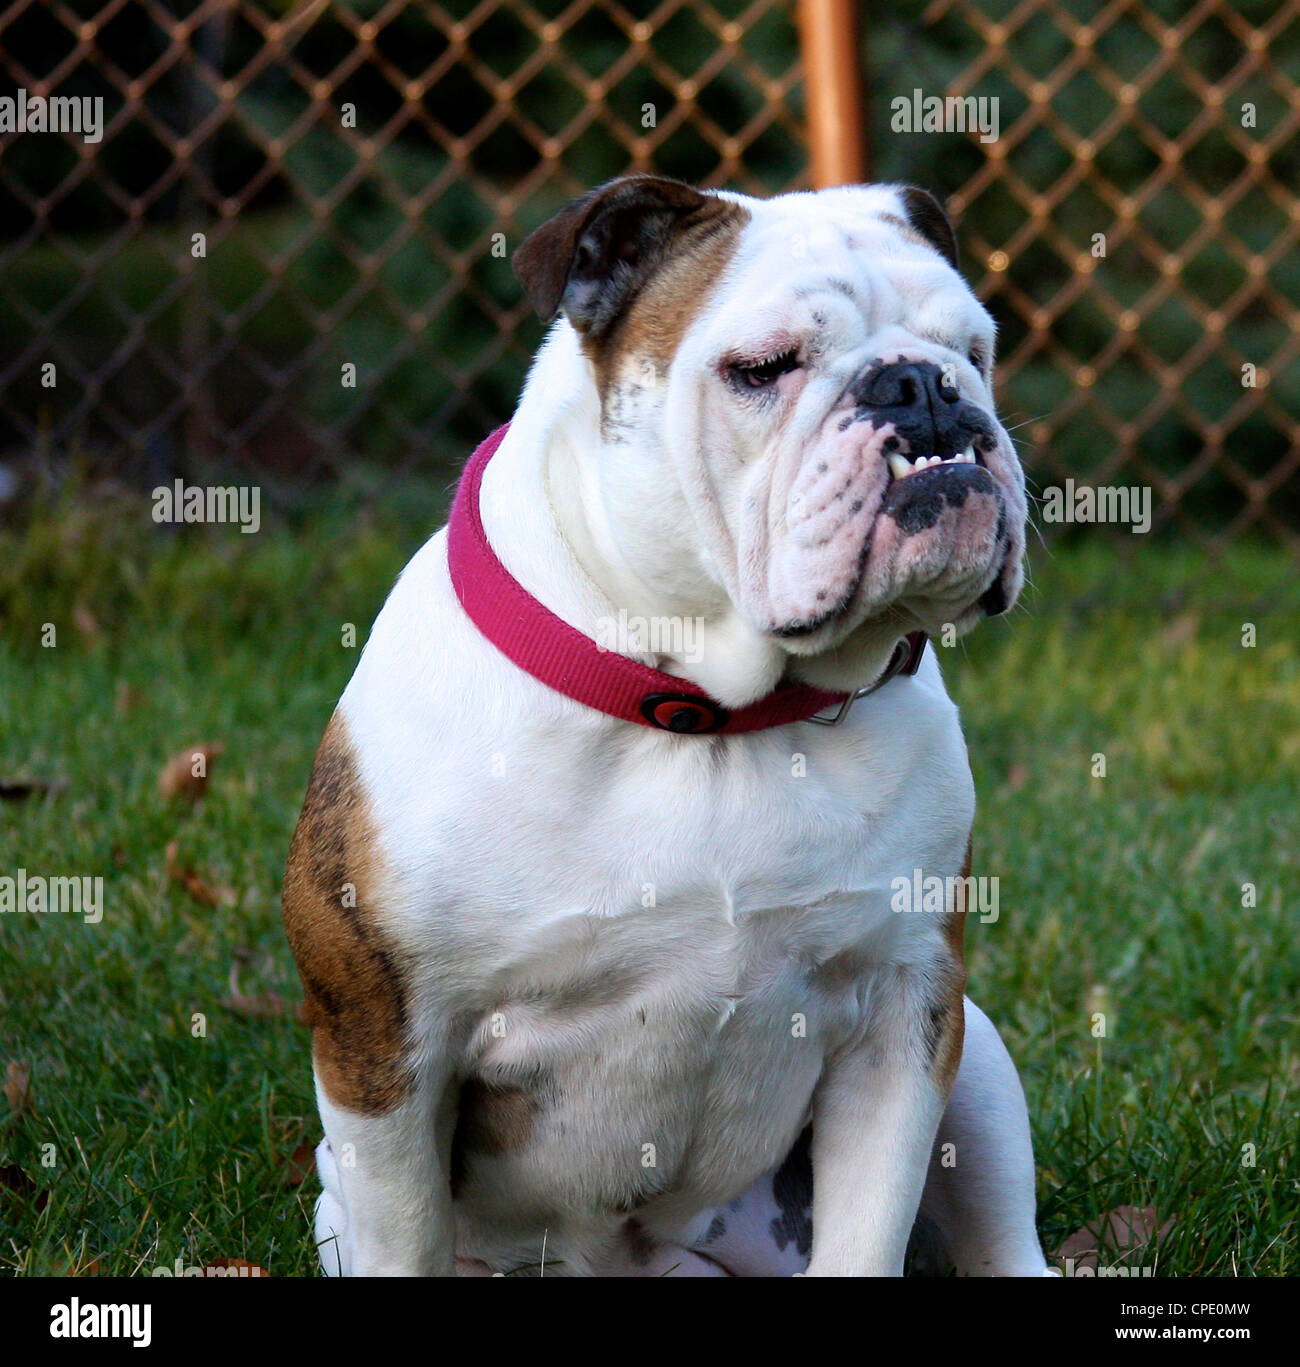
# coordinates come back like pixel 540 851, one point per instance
pixel 829 34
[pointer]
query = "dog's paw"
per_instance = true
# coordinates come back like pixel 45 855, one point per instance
pixel 332 1242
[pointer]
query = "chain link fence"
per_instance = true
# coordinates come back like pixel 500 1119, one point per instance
pixel 280 191
pixel 1133 228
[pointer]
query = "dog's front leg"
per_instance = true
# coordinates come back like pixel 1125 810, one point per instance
pixel 386 1207
pixel 875 1116
pixel 381 1088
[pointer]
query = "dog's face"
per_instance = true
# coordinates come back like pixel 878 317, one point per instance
pixel 808 379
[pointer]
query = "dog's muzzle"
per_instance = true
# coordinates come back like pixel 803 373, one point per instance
pixel 935 456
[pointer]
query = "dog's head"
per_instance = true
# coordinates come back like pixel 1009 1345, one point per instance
pixel 796 408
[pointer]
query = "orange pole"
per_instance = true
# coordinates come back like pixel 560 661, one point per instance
pixel 829 40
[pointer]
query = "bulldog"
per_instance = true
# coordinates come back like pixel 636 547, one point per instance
pixel 594 890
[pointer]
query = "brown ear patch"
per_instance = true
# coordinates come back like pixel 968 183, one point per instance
pixel 591 256
pixel 631 264
pixel 649 332
pixel 354 994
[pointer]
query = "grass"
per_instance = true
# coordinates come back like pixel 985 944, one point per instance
pixel 1119 895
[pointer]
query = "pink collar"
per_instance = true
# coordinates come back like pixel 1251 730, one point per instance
pixel 561 657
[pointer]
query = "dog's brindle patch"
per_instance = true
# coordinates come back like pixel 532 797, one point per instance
pixel 491 1119
pixel 494 1119
pixel 355 999
pixel 640 1246
pixel 792 1188
pixel 947 1022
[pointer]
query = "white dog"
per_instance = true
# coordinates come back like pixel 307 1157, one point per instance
pixel 601 946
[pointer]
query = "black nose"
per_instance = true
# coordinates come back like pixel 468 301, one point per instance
pixel 927 412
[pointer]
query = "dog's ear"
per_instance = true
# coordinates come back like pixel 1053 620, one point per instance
pixel 926 216
pixel 593 256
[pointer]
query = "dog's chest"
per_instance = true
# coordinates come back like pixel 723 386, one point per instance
pixel 679 1062
pixel 650 957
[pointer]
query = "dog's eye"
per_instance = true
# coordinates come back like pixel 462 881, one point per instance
pixel 978 357
pixel 763 373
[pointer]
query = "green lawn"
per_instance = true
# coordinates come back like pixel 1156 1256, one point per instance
pixel 1120 895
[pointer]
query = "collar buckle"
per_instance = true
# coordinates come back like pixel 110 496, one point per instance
pixel 906 659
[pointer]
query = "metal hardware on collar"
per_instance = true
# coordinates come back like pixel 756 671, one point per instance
pixel 684 713
pixel 906 659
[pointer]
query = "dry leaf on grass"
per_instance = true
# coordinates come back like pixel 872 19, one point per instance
pixel 1123 1231
pixel 260 1005
pixel 86 623
pixel 1182 629
pixel 126 698
pixel 198 887
pixel 18 1087
pixel 300 1164
pixel 233 1267
pixel 1017 777
pixel 186 773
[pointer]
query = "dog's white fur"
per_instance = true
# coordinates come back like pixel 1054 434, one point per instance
pixel 648 922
